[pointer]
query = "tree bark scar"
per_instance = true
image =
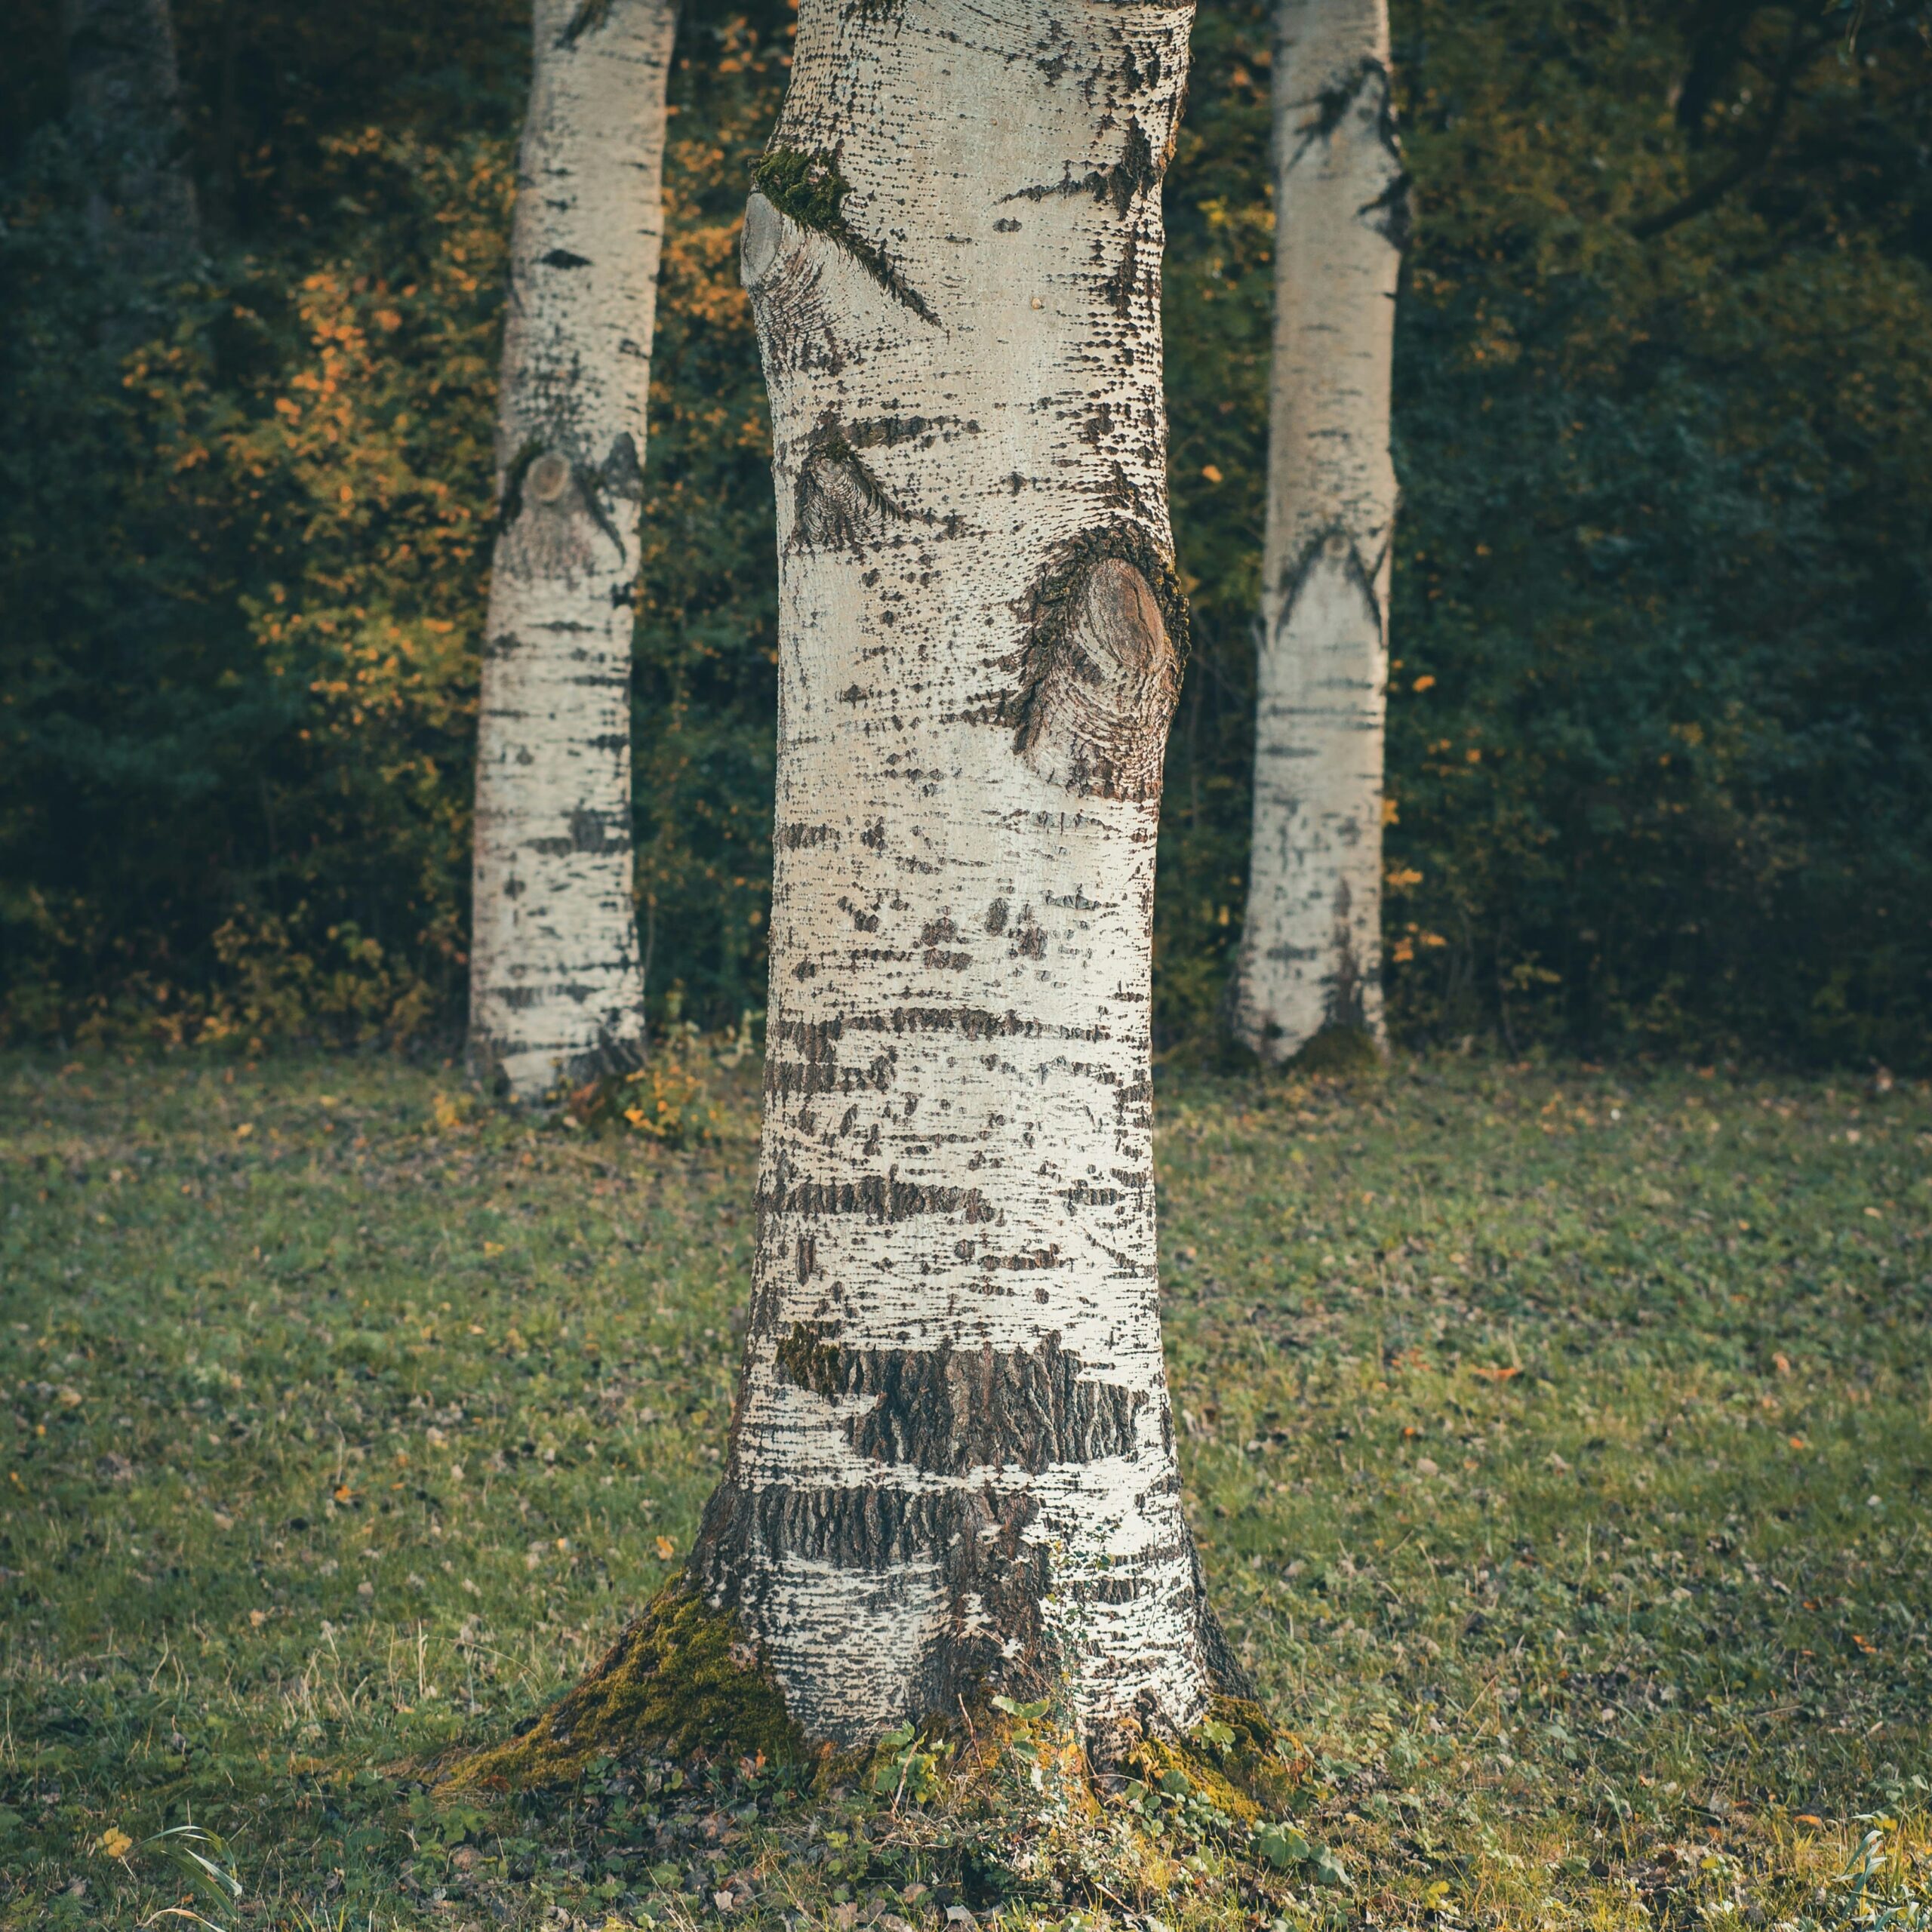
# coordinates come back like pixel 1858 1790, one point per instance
pixel 1391 213
pixel 945 1411
pixel 1100 672
pixel 809 188
pixel 840 504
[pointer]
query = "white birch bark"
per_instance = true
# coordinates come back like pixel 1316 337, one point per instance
pixel 953 1467
pixel 556 990
pixel 124 112
pixel 1311 955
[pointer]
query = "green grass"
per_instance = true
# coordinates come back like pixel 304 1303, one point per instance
pixel 1561 1444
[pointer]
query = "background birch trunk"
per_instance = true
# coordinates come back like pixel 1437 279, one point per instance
pixel 1310 957
pixel 952 1466
pixel 556 989
pixel 123 112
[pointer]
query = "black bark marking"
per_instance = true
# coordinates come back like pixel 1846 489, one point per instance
pixel 996 918
pixel 1343 996
pixel 562 258
pixel 884 1197
pixel 589 832
pixel 620 472
pixel 810 190
pixel 1138 170
pixel 1100 670
pixel 589 16
pixel 995 1579
pixel 802 1059
pixel 1118 287
pixel 1035 1262
pixel 1391 213
pixel 1360 571
pixel 947 1410
pixel 510 505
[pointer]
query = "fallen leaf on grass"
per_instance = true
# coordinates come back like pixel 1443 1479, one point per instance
pixel 115 1843
pixel 667 1549
pixel 1489 1374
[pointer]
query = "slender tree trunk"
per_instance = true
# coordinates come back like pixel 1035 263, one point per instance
pixel 125 114
pixel 1310 957
pixel 555 989
pixel 952 1465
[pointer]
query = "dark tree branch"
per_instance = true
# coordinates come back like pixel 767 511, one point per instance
pixel 1799 52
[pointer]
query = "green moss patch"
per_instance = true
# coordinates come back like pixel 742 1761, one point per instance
pixel 1340 1051
pixel 680 1683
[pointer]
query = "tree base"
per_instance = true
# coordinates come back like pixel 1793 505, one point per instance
pixel 682 1686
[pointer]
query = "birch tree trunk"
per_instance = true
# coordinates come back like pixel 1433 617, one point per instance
pixel 556 991
pixel 1310 956
pixel 124 112
pixel 952 1466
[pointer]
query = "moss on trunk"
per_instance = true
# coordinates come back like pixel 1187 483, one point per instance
pixel 680 1683
pixel 1339 1050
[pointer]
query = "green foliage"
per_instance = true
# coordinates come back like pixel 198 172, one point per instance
pixel 1557 1445
pixel 1660 720
pixel 905 1765
pixel 1660 740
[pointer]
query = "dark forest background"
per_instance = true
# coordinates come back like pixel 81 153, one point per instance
pixel 1660 737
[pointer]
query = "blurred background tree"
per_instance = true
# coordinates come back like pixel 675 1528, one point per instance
pixel 1660 733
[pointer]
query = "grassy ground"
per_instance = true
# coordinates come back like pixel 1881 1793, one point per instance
pixel 1561 1444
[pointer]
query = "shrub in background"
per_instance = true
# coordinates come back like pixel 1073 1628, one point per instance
pixel 1660 737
